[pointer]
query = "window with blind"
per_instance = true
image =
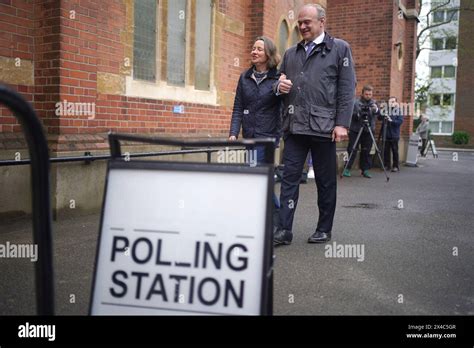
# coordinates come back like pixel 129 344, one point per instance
pixel 185 42
pixel 202 49
pixel 283 35
pixel 176 42
pixel 144 40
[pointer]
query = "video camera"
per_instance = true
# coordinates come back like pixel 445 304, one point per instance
pixel 364 112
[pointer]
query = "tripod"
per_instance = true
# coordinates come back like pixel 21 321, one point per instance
pixel 365 125
pixel 383 135
pixel 430 145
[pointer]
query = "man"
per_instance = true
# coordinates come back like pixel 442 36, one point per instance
pixel 393 121
pixel 423 131
pixel 365 110
pixel 317 84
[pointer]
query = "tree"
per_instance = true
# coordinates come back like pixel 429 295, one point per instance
pixel 426 23
pixel 434 15
pixel 421 93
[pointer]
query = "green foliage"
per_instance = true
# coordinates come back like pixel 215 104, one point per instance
pixel 416 122
pixel 421 93
pixel 460 137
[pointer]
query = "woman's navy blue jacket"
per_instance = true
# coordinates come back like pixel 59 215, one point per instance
pixel 256 107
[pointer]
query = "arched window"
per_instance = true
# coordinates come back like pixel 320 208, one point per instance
pixel 283 35
pixel 172 37
pixel 295 36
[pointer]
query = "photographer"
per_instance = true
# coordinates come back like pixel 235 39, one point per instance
pixel 365 111
pixel 393 119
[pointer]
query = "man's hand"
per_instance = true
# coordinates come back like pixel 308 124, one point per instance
pixel 339 133
pixel 285 85
pixel 232 138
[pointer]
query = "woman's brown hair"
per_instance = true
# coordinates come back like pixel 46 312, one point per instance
pixel 270 51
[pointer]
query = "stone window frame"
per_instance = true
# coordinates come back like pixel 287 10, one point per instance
pixel 160 89
pixel 282 22
pixel 290 28
pixel 294 28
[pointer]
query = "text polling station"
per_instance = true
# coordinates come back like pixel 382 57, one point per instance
pixel 180 239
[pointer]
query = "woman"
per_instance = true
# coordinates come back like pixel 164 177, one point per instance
pixel 256 107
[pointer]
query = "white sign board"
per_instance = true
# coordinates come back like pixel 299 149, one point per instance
pixel 412 154
pixel 176 242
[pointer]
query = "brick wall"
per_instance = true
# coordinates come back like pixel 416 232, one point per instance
pixel 72 42
pixel 373 28
pixel 47 64
pixel 367 26
pixel 82 51
pixel 17 35
pixel 464 119
pixel 79 46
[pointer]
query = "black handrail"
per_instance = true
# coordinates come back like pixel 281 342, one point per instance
pixel 91 158
pixel 40 185
pixel 267 143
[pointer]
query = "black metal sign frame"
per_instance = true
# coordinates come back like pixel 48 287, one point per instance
pixel 40 186
pixel 117 162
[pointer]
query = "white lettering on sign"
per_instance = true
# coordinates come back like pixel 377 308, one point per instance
pixel 203 257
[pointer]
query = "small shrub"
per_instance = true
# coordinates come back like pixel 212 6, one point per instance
pixel 460 137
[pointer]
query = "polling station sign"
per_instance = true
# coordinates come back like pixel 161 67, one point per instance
pixel 184 239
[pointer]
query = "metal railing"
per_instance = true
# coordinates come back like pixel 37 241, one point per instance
pixel 40 162
pixel 88 157
pixel 40 189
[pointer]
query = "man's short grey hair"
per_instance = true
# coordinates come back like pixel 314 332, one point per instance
pixel 319 8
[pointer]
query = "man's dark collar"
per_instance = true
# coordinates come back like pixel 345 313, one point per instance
pixel 328 42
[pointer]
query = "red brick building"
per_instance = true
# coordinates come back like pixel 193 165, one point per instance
pixel 464 107
pixel 167 67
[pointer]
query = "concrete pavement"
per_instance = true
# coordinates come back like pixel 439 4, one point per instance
pixel 408 227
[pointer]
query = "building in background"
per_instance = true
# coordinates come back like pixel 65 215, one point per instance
pixel 163 67
pixel 443 63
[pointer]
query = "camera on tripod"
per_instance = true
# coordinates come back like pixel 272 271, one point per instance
pixel 364 112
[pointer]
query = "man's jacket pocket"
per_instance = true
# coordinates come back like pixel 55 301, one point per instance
pixel 322 120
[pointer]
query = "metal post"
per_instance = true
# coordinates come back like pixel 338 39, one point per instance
pixel 40 185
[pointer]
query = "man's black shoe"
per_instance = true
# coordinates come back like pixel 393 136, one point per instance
pixel 282 237
pixel 319 237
